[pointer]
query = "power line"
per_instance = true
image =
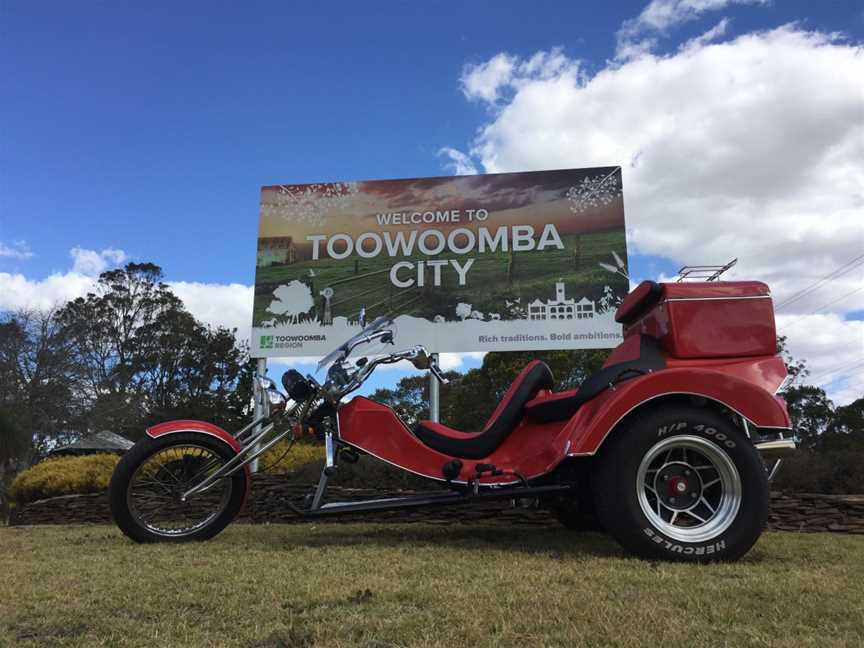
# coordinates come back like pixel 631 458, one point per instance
pixel 831 303
pixel 837 370
pixel 846 267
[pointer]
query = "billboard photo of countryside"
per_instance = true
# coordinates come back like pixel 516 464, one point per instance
pixel 549 275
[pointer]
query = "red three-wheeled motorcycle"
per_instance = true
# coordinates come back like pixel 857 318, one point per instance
pixel 671 444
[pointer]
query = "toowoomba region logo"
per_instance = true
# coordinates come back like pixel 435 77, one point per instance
pixel 266 341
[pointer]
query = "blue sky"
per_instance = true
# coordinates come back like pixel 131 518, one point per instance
pixel 149 128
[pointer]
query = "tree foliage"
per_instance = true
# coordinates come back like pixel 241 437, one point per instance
pixel 126 355
pixel 37 378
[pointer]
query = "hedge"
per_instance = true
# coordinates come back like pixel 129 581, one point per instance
pixel 276 461
pixel 833 472
pixel 63 476
pixel 92 473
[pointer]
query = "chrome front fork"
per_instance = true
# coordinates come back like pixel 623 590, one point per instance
pixel 329 469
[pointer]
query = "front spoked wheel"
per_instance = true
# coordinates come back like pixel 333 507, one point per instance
pixel 147 487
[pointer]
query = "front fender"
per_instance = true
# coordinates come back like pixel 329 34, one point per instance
pixel 596 419
pixel 188 425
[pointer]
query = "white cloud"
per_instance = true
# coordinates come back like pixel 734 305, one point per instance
pixel 17 292
pixel 93 263
pixel 483 81
pixel 638 36
pixel 716 32
pixel 834 351
pixel 750 148
pixel 228 305
pixel 16 250
pixel 455 361
pixel 495 79
pixel 459 164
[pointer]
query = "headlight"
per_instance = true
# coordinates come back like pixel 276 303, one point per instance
pixel 296 386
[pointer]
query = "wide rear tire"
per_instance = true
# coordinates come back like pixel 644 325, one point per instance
pixel 682 484
pixel 144 489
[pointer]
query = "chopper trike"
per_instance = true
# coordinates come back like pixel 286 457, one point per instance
pixel 671 443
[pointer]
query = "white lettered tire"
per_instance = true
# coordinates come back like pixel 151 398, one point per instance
pixel 681 483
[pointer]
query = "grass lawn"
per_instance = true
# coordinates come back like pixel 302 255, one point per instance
pixel 375 586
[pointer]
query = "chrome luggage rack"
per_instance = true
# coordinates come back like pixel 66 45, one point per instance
pixel 703 272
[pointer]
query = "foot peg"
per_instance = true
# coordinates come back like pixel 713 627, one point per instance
pixel 451 469
pixel 491 469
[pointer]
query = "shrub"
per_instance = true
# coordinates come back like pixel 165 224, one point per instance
pixel 276 461
pixel 63 476
pixel 831 472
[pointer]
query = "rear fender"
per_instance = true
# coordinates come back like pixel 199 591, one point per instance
pixel 595 420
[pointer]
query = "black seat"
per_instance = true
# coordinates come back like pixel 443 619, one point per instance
pixel 558 407
pixel 475 445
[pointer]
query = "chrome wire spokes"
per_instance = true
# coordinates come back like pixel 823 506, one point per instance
pixel 155 490
pixel 688 488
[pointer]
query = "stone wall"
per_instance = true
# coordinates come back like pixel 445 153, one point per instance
pixel 811 512
pixel 267 503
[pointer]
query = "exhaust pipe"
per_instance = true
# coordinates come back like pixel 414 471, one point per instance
pixel 776 449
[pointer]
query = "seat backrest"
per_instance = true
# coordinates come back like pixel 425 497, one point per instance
pixel 638 302
pixel 535 376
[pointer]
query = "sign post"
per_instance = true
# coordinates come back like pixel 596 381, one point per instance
pixel 260 370
pixel 434 395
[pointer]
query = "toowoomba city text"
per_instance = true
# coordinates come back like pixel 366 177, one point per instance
pixel 431 242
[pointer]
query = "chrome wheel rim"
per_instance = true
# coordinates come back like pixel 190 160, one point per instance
pixel 154 493
pixel 688 488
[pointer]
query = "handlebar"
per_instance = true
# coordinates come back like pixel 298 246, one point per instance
pixel 341 382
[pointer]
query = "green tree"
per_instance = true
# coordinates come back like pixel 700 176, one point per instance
pixel 38 377
pixel 143 358
pixel 811 412
pixel 109 329
pixel 846 430
pixel 796 369
pixel 410 398
pixel 194 371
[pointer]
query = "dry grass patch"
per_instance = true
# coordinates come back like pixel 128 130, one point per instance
pixel 418 585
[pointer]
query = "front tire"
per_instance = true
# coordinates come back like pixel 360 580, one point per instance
pixel 682 484
pixel 144 493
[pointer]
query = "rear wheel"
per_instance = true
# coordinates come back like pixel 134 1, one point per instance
pixel 682 483
pixel 147 484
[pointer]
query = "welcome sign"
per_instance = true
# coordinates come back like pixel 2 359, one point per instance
pixel 497 262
